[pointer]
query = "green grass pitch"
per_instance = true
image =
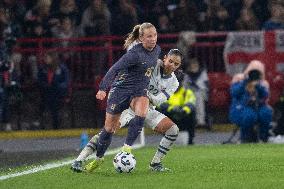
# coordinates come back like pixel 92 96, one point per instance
pixel 218 166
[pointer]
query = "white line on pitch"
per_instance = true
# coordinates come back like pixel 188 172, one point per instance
pixel 59 164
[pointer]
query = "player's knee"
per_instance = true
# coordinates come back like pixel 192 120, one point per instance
pixel 173 130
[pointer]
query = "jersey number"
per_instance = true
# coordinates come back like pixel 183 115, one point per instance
pixel 153 90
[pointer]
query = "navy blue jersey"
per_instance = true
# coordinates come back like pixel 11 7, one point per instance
pixel 133 70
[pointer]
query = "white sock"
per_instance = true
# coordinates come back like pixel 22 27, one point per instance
pixel 85 153
pixel 165 144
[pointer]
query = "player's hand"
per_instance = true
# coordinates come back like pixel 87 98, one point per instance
pixel 101 95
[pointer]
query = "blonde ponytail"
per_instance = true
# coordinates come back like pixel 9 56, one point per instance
pixel 131 37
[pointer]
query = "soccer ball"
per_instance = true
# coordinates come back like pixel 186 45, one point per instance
pixel 124 162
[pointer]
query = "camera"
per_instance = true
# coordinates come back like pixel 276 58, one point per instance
pixel 254 75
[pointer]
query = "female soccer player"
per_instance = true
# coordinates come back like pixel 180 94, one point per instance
pixel 132 75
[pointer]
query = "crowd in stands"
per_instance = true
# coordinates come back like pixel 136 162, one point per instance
pixel 71 18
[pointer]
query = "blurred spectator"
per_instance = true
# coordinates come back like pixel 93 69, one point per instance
pixel 40 15
pixel 201 8
pixel 4 29
pixel 247 21
pixel 9 27
pixel 96 19
pixel 164 25
pixel 96 22
pixel 4 67
pixel 277 15
pixel 221 21
pixel 196 78
pixel 233 7
pixel 53 80
pixel 185 17
pixel 36 30
pixel 15 12
pixel 159 7
pixel 66 30
pixel 15 9
pixel 249 109
pixel 8 77
pixel 185 43
pixel 181 109
pixel 123 17
pixel 217 17
pixel 13 88
pixel 259 8
pixel 67 8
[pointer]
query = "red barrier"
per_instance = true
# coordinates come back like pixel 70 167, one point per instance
pixel 89 58
pixel 208 48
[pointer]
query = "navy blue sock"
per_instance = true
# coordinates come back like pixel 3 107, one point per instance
pixel 103 142
pixel 134 128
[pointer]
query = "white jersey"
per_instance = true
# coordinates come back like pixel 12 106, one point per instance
pixel 160 88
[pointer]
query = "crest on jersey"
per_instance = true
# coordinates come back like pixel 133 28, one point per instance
pixel 149 71
pixel 113 106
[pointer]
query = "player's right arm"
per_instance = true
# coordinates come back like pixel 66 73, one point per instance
pixel 127 60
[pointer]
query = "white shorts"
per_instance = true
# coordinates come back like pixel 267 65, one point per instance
pixel 153 118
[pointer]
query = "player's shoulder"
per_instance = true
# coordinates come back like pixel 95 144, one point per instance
pixel 158 47
pixel 135 51
pixel 136 48
pixel 157 50
pixel 159 63
pixel 174 79
pixel 133 44
pixel 158 67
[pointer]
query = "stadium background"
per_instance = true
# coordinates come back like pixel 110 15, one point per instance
pixel 88 55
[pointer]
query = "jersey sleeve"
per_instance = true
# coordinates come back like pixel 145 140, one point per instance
pixel 127 60
pixel 164 95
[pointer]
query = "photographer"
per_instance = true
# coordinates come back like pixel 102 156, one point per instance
pixel 249 109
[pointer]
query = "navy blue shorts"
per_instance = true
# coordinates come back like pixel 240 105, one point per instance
pixel 120 99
